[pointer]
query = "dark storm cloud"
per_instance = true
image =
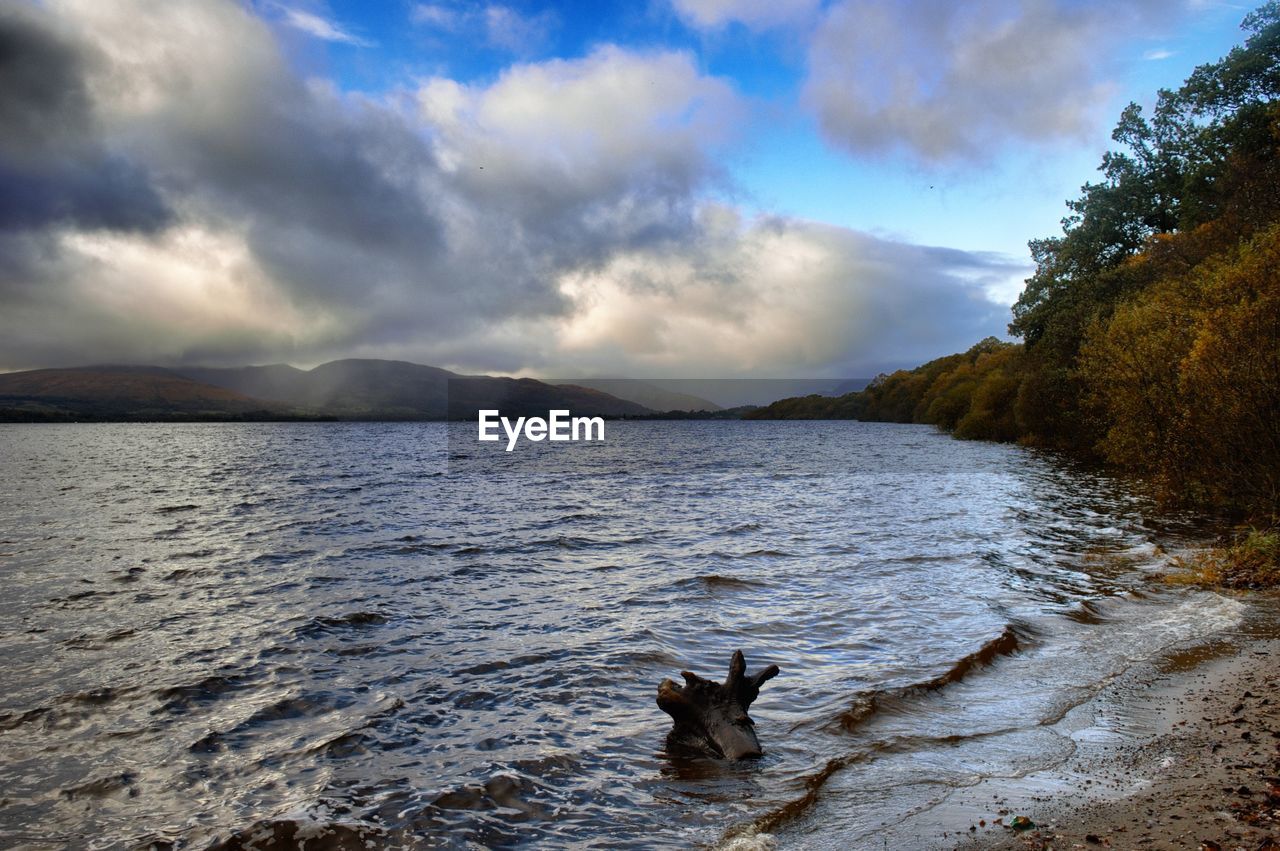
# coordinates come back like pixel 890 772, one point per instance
pixel 53 166
pixel 340 200
pixel 327 190
pixel 43 100
pixel 87 192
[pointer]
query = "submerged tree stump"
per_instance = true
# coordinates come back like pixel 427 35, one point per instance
pixel 711 717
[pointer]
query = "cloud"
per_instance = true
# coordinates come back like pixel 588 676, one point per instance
pixel 587 128
pixel 224 141
pixel 778 297
pixel 508 29
pixel 754 14
pixel 558 218
pixel 321 28
pixel 1157 55
pixel 186 293
pixel 54 167
pixel 752 297
pixel 436 15
pixel 502 27
pixel 944 82
pixel 364 214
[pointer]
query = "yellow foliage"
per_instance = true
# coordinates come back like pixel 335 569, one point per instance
pixel 1252 560
pixel 1230 381
pixel 1186 377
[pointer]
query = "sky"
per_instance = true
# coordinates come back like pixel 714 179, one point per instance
pixel 654 188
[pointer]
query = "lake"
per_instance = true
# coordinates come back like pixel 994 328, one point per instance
pixel 364 632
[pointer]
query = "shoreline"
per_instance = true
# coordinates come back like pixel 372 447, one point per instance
pixel 1181 751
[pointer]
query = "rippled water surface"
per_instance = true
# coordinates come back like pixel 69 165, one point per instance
pixel 212 633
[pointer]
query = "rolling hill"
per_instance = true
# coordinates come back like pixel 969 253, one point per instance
pixel 123 393
pixel 386 389
pixel 346 389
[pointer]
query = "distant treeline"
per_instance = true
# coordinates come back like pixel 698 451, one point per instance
pixel 27 413
pixel 1151 327
pixel 738 413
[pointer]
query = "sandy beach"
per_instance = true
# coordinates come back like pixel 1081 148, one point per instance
pixel 1182 751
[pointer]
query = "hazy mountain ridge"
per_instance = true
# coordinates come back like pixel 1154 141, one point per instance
pixel 652 396
pixel 124 392
pixel 345 389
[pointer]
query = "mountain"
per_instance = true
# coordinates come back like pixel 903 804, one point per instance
pixel 263 382
pixel 646 393
pixel 385 389
pixel 345 389
pixel 349 388
pixel 123 393
pixel 526 397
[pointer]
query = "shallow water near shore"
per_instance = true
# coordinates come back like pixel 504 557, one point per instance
pixel 349 632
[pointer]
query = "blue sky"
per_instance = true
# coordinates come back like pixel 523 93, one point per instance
pixel 656 188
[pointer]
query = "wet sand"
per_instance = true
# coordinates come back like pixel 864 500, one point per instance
pixel 1180 752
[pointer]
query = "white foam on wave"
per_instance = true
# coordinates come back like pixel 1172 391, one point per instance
pixel 1151 628
pixel 750 840
pixel 1002 720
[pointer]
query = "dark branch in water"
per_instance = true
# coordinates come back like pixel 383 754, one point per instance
pixel 711 717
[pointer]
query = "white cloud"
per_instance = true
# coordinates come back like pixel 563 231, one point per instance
pixel 502 27
pixel 1157 55
pixel 942 82
pixel 764 297
pixel 611 115
pixel 754 14
pixel 437 16
pixel 507 29
pixel 776 297
pixel 190 292
pixel 321 28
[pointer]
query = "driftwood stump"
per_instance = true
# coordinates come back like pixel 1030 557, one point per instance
pixel 711 717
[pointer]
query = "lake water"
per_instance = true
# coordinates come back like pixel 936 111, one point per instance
pixel 361 633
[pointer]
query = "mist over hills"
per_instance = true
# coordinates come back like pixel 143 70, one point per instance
pixel 654 395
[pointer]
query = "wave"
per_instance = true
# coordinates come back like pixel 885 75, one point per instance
pixel 67 710
pixel 714 581
pixel 1113 628
pixel 325 624
pixel 84 641
pixel 80 599
pixel 494 665
pixel 303 829
pixel 865 705
pixel 763 552
pixel 412 548
pixel 556 542
pixel 183 698
pixel 1085 612
pixel 500 792
pixel 173 509
pixel 100 787
pixel 1008 642
pixel 282 557
pixel 202 553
